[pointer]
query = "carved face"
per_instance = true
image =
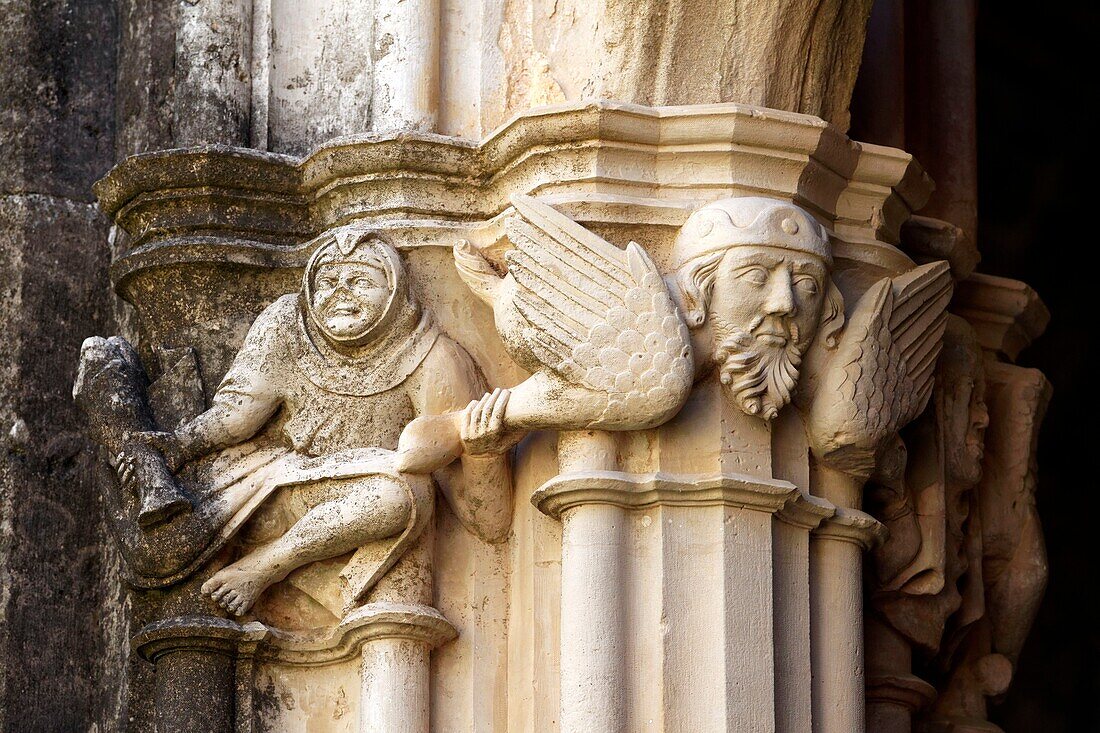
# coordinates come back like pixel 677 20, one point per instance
pixel 773 294
pixel 966 418
pixel 349 297
pixel 765 307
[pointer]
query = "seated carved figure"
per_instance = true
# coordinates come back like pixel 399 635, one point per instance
pixel 315 401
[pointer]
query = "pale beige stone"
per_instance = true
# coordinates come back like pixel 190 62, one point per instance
pixel 723 479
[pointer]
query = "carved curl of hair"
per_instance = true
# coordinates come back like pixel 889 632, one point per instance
pixel 696 280
pixel 832 315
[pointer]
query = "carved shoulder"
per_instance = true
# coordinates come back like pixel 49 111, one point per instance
pixel 270 336
pixel 447 379
pixel 275 322
pixel 272 330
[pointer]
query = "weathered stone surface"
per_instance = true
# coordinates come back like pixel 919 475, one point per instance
pixel 658 292
pixel 145 86
pixel 61 608
pixel 62 622
pixel 57 116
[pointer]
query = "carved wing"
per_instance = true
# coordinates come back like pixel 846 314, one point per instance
pixel 597 315
pixel 883 371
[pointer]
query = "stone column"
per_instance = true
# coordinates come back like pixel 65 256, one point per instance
pixel 396 666
pixel 878 102
pixel 213 85
pixel 594 695
pixel 697 591
pixel 836 612
pixel 941 123
pixel 395 686
pixel 195 681
pixel 406 66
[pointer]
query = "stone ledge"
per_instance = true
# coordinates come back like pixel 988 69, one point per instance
pixel 645 490
pixel 223 636
pixel 905 690
pixel 852 525
pixel 192 633
pixel 1007 314
pixel 382 620
pixel 218 203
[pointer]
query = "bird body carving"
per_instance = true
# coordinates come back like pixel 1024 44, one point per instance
pixel 594 324
pixel 596 317
pixel 881 374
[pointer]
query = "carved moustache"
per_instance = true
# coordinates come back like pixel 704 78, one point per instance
pixel 761 381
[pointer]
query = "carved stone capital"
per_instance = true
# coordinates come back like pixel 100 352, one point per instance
pixel 407 621
pixel 852 525
pixel 596 161
pixel 905 690
pixel 643 491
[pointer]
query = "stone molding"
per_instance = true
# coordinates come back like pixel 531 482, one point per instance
pixel 646 490
pixel 643 491
pixel 210 634
pixel 380 620
pixel 906 690
pixel 1007 314
pixel 594 161
pixel 207 634
pixel 852 525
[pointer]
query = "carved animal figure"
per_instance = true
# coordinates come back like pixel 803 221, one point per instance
pixel 595 325
pixel 882 372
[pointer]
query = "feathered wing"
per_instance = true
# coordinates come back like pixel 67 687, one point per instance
pixel 598 316
pixel 882 373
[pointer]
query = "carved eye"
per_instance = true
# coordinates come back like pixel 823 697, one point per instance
pixel 755 275
pixel 806 284
pixel 326 283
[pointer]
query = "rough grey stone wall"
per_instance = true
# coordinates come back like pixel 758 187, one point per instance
pixel 61 608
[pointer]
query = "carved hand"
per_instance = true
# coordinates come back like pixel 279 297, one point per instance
pixel 482 428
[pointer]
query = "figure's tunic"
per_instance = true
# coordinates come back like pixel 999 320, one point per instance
pixel 341 415
pixel 331 401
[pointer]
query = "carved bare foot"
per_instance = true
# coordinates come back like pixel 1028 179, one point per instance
pixel 236 587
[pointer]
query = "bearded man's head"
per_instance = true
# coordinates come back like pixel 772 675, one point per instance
pixel 753 278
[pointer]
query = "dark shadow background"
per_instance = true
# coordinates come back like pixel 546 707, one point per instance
pixel 1036 138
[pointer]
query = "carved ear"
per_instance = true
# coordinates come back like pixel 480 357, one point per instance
pixel 832 316
pixel 695 281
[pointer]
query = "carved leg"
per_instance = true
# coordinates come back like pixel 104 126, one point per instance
pixel 367 510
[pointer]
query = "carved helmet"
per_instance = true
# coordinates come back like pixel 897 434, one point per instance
pixel 750 220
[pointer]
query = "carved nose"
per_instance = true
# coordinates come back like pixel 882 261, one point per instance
pixel 982 418
pixel 780 294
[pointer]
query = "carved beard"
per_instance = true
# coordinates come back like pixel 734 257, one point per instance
pixel 760 380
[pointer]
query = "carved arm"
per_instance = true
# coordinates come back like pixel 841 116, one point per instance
pixel 479 485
